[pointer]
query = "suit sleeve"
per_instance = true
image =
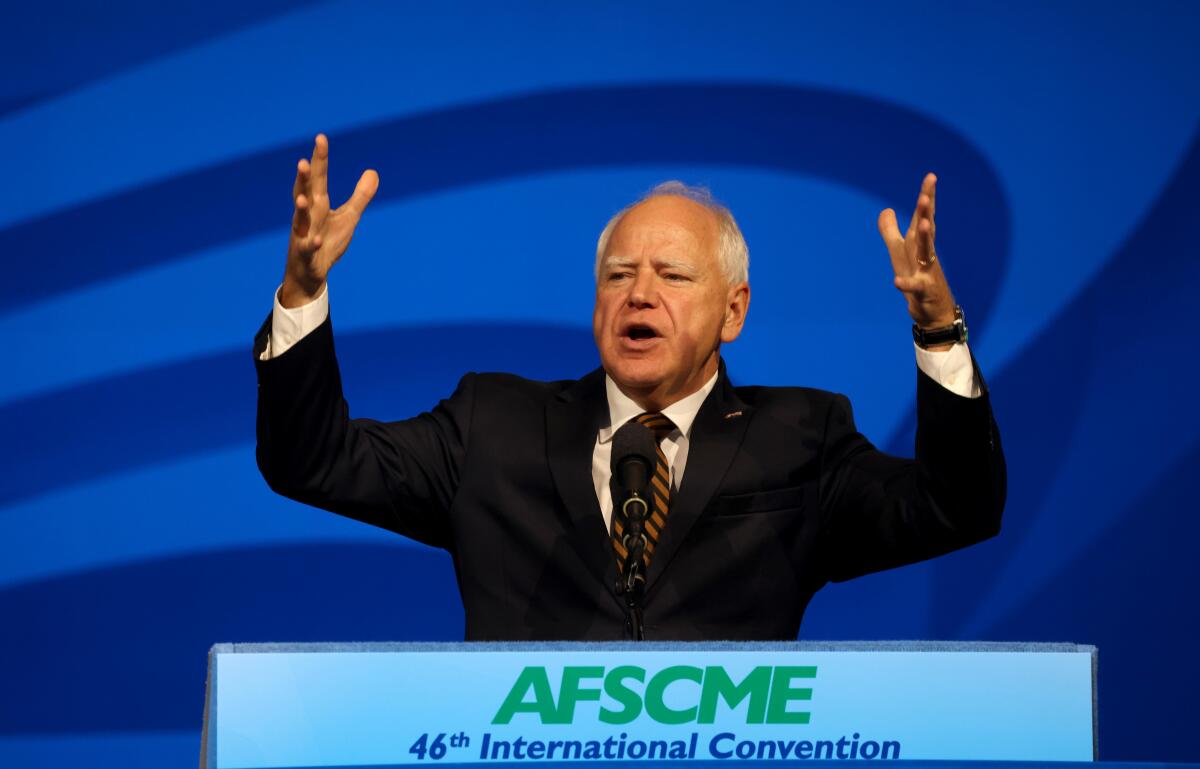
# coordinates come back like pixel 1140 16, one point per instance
pixel 401 476
pixel 881 511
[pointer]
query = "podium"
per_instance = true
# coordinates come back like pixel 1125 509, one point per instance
pixel 559 704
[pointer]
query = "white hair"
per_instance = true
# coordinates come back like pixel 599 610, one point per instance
pixel 732 252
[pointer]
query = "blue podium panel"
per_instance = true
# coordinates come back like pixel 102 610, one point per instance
pixel 397 704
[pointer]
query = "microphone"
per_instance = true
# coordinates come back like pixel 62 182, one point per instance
pixel 634 457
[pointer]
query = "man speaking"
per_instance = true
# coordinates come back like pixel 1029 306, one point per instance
pixel 752 498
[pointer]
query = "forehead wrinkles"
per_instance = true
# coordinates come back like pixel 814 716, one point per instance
pixel 660 241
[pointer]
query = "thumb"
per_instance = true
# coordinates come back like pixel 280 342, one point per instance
pixel 888 229
pixel 367 185
pixel 894 242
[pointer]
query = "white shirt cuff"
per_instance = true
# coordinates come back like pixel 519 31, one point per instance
pixel 290 325
pixel 951 369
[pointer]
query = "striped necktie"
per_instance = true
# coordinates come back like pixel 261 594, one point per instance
pixel 661 426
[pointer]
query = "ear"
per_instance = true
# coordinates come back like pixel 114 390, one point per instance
pixel 737 304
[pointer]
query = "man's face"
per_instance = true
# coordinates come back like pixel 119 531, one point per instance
pixel 663 305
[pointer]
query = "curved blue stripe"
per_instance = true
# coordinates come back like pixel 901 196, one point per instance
pixel 125 648
pixel 127 750
pixel 126 34
pixel 505 267
pixel 870 145
pixel 182 409
pixel 1100 407
pixel 1131 593
pixel 165 510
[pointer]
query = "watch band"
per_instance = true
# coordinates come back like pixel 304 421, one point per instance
pixel 957 332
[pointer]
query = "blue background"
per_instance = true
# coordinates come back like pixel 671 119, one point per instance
pixel 148 162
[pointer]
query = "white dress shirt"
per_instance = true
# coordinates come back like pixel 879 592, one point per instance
pixel 951 369
pixel 621 409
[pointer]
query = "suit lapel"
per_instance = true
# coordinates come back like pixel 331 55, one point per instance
pixel 716 436
pixel 573 418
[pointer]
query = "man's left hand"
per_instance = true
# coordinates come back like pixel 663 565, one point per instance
pixel 918 271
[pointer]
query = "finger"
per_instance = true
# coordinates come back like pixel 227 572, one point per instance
pixel 300 221
pixel 890 233
pixel 300 186
pixel 364 191
pixel 920 212
pixel 916 215
pixel 320 166
pixel 915 284
pixel 924 202
pixel 925 252
pixel 299 193
pixel 300 227
pixel 888 228
pixel 308 245
pixel 930 189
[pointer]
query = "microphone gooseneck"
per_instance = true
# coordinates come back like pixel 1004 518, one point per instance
pixel 634 457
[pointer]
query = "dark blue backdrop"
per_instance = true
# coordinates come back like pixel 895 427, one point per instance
pixel 148 161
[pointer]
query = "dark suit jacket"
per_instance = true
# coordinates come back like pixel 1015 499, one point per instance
pixel 781 495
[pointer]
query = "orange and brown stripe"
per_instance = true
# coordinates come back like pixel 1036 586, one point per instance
pixel 661 426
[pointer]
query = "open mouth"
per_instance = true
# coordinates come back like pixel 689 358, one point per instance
pixel 638 333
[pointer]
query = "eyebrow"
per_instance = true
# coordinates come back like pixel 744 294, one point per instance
pixel 675 266
pixel 663 264
pixel 615 262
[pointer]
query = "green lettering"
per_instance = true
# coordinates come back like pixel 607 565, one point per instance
pixel 570 692
pixel 630 700
pixel 535 679
pixel 656 708
pixel 718 685
pixel 783 693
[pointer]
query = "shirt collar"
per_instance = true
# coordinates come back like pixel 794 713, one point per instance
pixel 622 408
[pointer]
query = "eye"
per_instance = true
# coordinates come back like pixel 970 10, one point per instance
pixel 675 277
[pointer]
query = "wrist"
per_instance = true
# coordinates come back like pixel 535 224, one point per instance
pixel 941 319
pixel 294 293
pixel 940 335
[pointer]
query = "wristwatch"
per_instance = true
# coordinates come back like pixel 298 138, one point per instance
pixel 945 335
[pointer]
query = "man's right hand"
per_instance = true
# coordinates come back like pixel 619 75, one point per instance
pixel 319 236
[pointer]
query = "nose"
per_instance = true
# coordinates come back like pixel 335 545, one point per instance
pixel 643 292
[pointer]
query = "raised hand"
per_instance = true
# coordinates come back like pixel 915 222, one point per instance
pixel 319 236
pixel 918 271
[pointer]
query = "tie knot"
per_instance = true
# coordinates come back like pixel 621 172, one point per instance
pixel 660 425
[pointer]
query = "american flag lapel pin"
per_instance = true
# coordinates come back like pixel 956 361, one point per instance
pixel 733 414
